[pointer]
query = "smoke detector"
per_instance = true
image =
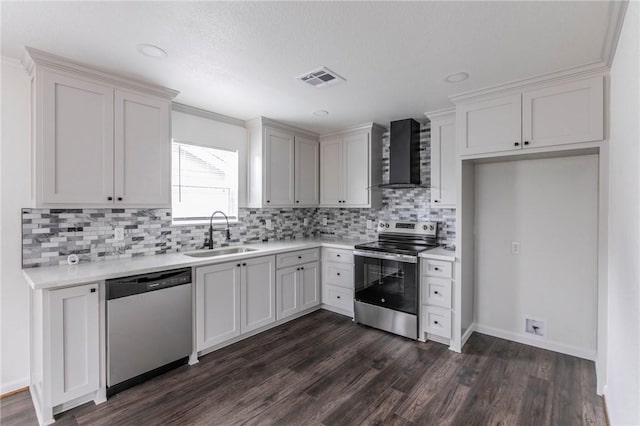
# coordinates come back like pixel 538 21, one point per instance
pixel 322 77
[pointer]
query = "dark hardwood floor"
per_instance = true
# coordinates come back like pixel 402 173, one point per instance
pixel 324 369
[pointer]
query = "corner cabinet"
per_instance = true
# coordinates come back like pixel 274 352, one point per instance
pixel 65 349
pixel 351 167
pixel 443 158
pixel 98 140
pixel 233 298
pixel 283 165
pixel 541 116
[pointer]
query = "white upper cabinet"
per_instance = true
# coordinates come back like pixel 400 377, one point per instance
pixel 142 150
pixel 74 141
pixel 307 179
pixel 98 140
pixel 283 165
pixel 544 115
pixel 350 167
pixel 443 159
pixel 563 114
pixel 489 126
pixel 279 168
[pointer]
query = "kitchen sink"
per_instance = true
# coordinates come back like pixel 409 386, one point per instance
pixel 219 251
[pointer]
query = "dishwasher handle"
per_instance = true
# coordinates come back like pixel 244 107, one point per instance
pixel 129 286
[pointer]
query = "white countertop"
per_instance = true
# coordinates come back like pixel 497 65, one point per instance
pixel 439 253
pixel 67 275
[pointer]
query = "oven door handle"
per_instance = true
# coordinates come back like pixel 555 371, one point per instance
pixel 386 256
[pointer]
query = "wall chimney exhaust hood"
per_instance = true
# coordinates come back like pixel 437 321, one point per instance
pixel 404 155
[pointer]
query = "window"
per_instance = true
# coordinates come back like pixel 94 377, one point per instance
pixel 203 180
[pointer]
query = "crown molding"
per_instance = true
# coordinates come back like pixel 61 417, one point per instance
pixel 264 121
pixel 432 115
pixel 187 109
pixel 366 126
pixel 617 11
pixel 582 71
pixel 36 58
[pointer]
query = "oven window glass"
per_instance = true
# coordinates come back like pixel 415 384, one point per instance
pixel 387 283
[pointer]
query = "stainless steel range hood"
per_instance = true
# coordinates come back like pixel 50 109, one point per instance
pixel 404 155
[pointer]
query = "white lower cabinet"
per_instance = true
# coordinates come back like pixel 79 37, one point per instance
pixel 297 288
pixel 233 298
pixel 436 293
pixel 65 348
pixel 337 280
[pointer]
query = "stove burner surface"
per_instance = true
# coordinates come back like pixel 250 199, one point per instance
pixel 393 247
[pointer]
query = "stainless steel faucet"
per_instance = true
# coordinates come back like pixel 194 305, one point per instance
pixel 228 230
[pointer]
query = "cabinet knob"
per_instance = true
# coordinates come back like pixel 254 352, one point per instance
pixel 299 257
pixel 436 201
pixel 338 273
pixel 516 143
pixel 110 198
pixel 268 201
pixel 435 292
pixel 244 264
pixel 337 255
pixel 119 198
pixel 93 290
pixel 297 201
pixel 238 265
pixel 436 269
pixel 297 269
pixel 338 297
pixel 435 322
pixel 302 268
pixel 526 142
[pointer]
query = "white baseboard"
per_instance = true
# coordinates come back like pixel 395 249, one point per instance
pixel 539 343
pixel 467 334
pixel 14 385
pixel 337 310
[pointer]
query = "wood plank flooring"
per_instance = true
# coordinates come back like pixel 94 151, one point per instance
pixel 323 369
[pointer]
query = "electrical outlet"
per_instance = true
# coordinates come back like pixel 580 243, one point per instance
pixel 118 234
pixel 369 224
pixel 268 224
pixel 305 222
pixel 324 221
pixel 515 247
pixel 535 326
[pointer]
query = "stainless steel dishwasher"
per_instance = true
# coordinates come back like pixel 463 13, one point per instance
pixel 149 326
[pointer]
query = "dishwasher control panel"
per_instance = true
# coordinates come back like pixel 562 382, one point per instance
pixel 128 286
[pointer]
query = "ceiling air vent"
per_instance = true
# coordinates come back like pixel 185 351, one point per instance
pixel 322 77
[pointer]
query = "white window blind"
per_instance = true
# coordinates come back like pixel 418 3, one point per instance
pixel 203 180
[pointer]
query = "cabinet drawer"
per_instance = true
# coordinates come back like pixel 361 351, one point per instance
pixel 337 297
pixel 436 321
pixel 297 258
pixel 337 255
pixel 436 291
pixel 436 268
pixel 340 274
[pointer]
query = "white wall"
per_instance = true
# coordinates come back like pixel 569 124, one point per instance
pixel 623 351
pixel 206 132
pixel 550 206
pixel 14 181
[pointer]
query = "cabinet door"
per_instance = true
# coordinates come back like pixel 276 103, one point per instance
pixel 287 298
pixel 309 285
pixel 73 339
pixel 278 168
pixel 489 126
pixel 331 172
pixel 217 304
pixel 307 168
pixel 142 150
pixel 77 138
pixel 563 114
pixel 356 170
pixel 258 293
pixel 443 163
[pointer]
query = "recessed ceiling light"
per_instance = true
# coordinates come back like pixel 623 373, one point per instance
pixel 457 77
pixel 321 113
pixel 151 50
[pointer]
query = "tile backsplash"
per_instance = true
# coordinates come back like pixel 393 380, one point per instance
pixel 50 235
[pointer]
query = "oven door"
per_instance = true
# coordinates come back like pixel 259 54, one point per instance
pixel 387 279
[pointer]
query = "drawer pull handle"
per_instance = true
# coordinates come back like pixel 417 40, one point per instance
pixel 436 268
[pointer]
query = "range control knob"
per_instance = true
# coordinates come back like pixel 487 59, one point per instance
pixel 381 225
pixel 431 227
pixel 425 227
pixel 382 300
pixel 386 225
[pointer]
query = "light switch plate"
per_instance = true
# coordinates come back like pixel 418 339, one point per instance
pixel 305 222
pixel 515 247
pixel 324 221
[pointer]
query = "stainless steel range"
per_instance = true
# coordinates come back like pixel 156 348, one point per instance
pixel 386 276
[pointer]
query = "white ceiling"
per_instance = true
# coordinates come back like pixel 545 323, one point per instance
pixel 241 59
